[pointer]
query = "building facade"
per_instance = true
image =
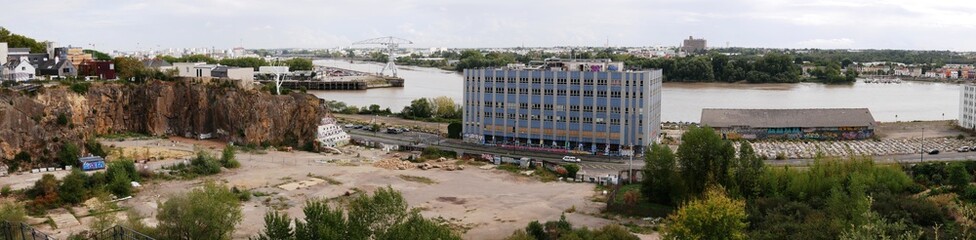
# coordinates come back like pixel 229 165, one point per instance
pixel 811 124
pixel 580 107
pixel 693 45
pixel 967 106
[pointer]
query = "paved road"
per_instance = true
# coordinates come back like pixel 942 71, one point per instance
pixel 600 165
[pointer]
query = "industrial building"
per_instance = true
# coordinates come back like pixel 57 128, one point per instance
pixel 572 106
pixel 967 107
pixel 693 45
pixel 813 124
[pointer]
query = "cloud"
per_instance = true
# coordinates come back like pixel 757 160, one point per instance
pixel 121 24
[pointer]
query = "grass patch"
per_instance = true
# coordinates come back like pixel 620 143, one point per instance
pixel 123 136
pixel 327 179
pixel 418 179
pixel 641 229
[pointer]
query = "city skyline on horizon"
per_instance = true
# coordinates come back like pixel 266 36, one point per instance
pixel 224 24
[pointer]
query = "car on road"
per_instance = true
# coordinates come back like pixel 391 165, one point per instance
pixel 571 159
pixel 963 149
pixel 933 151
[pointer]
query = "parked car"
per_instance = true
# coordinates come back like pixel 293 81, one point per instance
pixel 571 159
pixel 350 125
pixel 963 149
pixel 933 151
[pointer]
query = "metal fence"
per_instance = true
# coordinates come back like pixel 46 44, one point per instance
pixel 21 231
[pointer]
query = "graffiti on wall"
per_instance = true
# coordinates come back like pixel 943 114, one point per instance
pixel 837 133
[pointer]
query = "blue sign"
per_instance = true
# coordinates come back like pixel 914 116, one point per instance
pixel 94 165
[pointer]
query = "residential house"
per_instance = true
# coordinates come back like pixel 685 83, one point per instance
pixel 97 68
pixel 187 69
pixel 3 53
pixel 57 67
pixel 158 64
pixel 18 71
pixel 246 73
pixel 205 70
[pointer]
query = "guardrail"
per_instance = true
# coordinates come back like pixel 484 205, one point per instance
pixel 120 233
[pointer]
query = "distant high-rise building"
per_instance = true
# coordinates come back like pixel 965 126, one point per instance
pixel 967 106
pixel 572 106
pixel 692 45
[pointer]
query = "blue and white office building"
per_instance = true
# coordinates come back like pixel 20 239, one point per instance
pixel 573 106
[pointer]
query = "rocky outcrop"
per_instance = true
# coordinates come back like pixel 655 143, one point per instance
pixel 29 122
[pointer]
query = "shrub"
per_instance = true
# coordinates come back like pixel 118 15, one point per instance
pixel 227 158
pixel 72 188
pixel 210 212
pixel 12 211
pixel 571 170
pixel 95 148
pixel 204 164
pixel 68 155
pixel 62 119
pixel 80 87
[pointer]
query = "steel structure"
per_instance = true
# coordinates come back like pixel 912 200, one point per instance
pixel 392 44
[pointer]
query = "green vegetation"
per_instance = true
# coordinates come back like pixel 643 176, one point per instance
pixel 418 179
pixel 299 64
pixel 227 158
pixel 98 55
pixel 79 87
pixel 713 215
pixel 68 155
pixel 20 41
pixel 251 62
pixel 562 229
pixel 132 69
pixel 189 58
pixel 12 211
pixel 735 196
pixel 210 212
pixel 205 163
pixel 384 215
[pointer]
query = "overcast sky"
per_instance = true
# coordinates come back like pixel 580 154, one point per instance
pixel 144 24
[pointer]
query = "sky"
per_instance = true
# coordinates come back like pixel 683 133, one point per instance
pixel 153 24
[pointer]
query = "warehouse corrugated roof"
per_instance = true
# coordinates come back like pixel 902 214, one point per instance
pixel 782 118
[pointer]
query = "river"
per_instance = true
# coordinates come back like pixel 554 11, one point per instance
pixel 684 101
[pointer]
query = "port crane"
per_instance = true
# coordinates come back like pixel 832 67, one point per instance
pixel 392 44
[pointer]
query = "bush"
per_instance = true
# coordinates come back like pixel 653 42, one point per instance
pixel 12 211
pixel 68 155
pixel 72 188
pixel 571 170
pixel 62 119
pixel 204 164
pixel 210 212
pixel 120 185
pixel 95 148
pixel 80 87
pixel 227 158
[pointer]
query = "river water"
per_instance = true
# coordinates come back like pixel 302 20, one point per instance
pixel 684 101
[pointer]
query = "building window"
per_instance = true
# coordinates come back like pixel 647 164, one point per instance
pixel 536 91
pixel 587 108
pixel 574 107
pixel 548 80
pixel 601 94
pixel 559 107
pixel 548 92
pixel 536 106
pixel 574 81
pixel 523 106
pixel 547 106
pixel 561 81
pixel 560 92
pixel 536 80
pixel 601 108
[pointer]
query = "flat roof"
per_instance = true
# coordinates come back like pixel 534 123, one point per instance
pixel 784 118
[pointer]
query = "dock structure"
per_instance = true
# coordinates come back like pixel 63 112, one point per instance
pixel 332 78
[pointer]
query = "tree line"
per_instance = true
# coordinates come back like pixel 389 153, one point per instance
pixel 723 192
pixel 441 108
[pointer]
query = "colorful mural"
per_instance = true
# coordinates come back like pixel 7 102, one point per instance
pixel 827 133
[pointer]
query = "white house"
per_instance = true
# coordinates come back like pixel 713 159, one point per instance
pixel 19 71
pixel 187 69
pixel 205 70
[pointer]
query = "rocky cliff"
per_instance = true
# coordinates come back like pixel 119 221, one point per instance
pixel 29 122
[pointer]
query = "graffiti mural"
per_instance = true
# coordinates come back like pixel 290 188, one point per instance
pixel 826 133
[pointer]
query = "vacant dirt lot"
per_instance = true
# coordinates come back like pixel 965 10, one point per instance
pixel 395 121
pixel 914 129
pixel 484 204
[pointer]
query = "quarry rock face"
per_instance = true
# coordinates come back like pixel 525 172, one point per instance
pixel 30 122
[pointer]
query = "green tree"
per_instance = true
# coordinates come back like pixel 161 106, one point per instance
pixel 748 169
pixel 959 178
pixel 98 55
pixel 129 68
pixel 445 107
pixel 416 227
pixel 210 212
pixel 251 62
pixel 277 226
pixel 299 64
pixel 72 190
pixel 419 108
pixel 120 184
pixel 44 192
pixel 715 216
pixel 661 182
pixel 68 155
pixel 704 158
pixel 20 41
pixel 95 148
pixel 321 222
